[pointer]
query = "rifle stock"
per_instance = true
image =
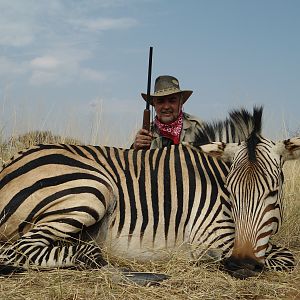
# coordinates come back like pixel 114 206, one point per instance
pixel 146 119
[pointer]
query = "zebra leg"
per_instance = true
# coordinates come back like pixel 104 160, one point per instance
pixel 36 249
pixel 40 247
pixel 279 258
pixel 89 256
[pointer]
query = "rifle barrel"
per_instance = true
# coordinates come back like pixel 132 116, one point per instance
pixel 149 77
pixel 146 117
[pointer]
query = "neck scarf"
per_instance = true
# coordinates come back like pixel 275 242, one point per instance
pixel 171 131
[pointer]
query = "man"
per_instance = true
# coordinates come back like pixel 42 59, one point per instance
pixel 171 125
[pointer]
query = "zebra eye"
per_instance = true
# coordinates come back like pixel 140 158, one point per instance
pixel 272 194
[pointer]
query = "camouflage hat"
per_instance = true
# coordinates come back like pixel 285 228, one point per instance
pixel 167 85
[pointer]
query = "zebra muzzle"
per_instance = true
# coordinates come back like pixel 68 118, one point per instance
pixel 242 268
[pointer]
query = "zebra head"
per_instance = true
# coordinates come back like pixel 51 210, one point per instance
pixel 254 183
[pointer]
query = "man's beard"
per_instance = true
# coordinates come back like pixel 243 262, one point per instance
pixel 167 119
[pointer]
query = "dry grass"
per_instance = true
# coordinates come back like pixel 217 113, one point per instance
pixel 187 281
pixel 19 142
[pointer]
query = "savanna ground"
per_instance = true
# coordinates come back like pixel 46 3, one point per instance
pixel 187 280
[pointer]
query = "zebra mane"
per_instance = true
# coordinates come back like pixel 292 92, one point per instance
pixel 239 126
pixel 253 138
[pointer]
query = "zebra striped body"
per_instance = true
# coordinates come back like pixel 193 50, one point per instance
pixel 162 204
pixel 60 204
pixel 142 213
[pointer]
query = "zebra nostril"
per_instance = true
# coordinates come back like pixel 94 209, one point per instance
pixel 258 267
pixel 231 264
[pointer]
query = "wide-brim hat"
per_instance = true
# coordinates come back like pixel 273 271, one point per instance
pixel 167 85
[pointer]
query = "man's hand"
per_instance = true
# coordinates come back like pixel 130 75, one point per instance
pixel 143 139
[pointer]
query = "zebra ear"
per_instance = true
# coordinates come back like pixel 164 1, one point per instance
pixel 224 151
pixel 289 149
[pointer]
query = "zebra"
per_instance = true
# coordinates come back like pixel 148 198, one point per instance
pixel 254 183
pixel 61 204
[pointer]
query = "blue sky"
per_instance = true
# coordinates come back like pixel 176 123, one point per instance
pixel 78 67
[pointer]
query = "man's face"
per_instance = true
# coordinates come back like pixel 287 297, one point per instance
pixel 167 108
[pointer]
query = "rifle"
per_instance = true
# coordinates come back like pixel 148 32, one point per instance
pixel 146 117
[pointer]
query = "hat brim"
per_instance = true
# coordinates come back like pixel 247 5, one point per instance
pixel 185 95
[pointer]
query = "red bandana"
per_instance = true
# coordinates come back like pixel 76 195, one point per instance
pixel 171 131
